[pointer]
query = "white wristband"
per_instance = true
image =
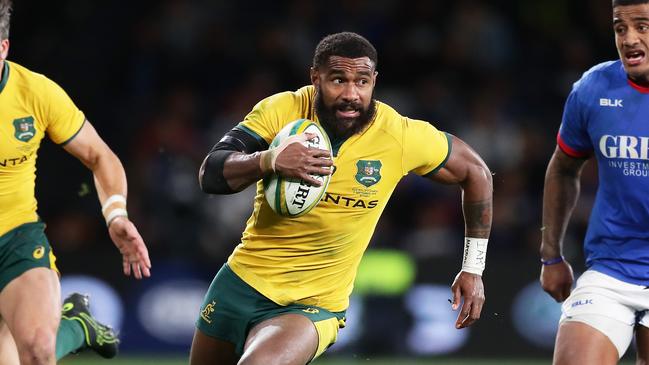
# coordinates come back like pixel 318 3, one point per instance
pixel 475 255
pixel 116 198
pixel 117 212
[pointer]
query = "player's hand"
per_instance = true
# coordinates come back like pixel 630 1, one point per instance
pixel 294 160
pixel 135 256
pixel 557 279
pixel 468 290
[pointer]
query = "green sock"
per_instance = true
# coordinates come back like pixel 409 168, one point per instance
pixel 69 338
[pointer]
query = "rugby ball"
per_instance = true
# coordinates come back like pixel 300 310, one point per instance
pixel 295 197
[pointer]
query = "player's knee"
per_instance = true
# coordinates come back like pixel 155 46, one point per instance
pixel 39 348
pixel 255 359
pixel 265 358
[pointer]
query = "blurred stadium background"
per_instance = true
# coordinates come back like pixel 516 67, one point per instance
pixel 163 80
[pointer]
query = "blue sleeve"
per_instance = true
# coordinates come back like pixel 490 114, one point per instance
pixel 573 138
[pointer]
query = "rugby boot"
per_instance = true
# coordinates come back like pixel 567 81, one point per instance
pixel 98 337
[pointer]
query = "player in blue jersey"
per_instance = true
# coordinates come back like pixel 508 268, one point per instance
pixel 606 116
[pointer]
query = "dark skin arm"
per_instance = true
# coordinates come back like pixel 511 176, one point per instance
pixel 466 168
pixel 293 160
pixel 560 194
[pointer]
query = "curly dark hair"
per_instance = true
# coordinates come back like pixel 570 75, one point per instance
pixel 344 44
pixel 629 2
pixel 5 14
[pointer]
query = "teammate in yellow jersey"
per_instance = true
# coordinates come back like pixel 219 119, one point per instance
pixel 33 329
pixel 282 295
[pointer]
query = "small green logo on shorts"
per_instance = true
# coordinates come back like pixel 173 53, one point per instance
pixel 39 252
pixel 207 312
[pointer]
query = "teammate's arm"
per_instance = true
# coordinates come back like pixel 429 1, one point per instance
pixel 465 168
pixel 560 194
pixel 110 181
pixel 239 160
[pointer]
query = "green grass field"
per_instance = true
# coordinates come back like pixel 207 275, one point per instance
pixel 93 360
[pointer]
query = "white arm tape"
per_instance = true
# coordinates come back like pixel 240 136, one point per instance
pixel 116 198
pixel 117 212
pixel 475 255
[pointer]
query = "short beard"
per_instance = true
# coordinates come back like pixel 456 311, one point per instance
pixel 343 128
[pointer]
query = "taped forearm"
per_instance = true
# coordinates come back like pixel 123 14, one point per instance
pixel 477 217
pixel 477 207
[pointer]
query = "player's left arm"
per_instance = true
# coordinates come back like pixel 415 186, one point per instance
pixel 465 168
pixel 111 184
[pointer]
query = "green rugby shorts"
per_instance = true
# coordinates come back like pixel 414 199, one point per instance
pixel 231 308
pixel 23 248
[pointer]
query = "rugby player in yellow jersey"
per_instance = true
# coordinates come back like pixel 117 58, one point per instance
pixel 33 329
pixel 282 295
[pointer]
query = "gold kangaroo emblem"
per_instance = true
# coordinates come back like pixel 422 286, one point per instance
pixel 207 312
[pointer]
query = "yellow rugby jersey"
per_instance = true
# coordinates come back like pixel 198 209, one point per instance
pixel 312 259
pixel 30 106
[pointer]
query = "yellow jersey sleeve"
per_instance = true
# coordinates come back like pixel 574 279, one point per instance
pixel 62 118
pixel 270 115
pixel 425 148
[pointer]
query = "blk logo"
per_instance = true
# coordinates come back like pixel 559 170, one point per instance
pixel 581 302
pixel 615 103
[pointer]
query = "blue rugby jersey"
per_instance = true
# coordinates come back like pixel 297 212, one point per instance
pixel 608 115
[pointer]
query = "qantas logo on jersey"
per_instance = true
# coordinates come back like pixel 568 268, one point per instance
pixel 620 148
pixel 4 162
pixel 350 202
pixel 615 103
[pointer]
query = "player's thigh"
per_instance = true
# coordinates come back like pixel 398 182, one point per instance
pixel 642 344
pixel 207 350
pixel 29 285
pixel 607 310
pixel 31 304
pixel 285 339
pixel 579 343
pixel 8 351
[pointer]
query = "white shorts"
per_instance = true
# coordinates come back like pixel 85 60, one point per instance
pixel 609 305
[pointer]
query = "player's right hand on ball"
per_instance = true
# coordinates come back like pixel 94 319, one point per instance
pixel 295 160
pixel 557 279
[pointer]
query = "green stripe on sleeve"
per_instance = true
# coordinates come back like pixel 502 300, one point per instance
pixel 252 133
pixel 74 135
pixel 449 140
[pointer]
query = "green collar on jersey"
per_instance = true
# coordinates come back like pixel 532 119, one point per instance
pixel 335 142
pixel 5 75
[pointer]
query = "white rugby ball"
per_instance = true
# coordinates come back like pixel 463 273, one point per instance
pixel 295 197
